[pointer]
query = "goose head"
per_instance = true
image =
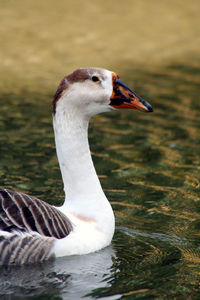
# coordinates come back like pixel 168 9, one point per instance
pixel 94 90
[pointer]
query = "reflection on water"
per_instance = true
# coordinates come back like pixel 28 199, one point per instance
pixel 69 278
pixel 149 167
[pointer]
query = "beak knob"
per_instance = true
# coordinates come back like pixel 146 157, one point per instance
pixel 123 97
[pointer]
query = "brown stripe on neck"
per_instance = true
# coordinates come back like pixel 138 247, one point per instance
pixel 63 86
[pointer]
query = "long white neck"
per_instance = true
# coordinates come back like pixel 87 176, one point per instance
pixel 82 188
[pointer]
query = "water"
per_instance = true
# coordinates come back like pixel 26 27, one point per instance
pixel 69 277
pixel 149 168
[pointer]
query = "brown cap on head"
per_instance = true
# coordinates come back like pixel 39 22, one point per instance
pixel 78 75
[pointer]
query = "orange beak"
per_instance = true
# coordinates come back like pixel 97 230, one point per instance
pixel 123 97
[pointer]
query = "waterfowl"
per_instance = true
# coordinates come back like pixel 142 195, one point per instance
pixel 32 230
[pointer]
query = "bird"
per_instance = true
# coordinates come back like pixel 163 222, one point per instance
pixel 32 230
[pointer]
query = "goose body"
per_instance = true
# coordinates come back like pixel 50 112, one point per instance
pixel 32 230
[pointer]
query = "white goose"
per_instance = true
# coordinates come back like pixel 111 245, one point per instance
pixel 32 230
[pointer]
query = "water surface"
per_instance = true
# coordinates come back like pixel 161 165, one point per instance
pixel 149 167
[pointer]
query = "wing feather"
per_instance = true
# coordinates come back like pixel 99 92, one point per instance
pixel 22 248
pixel 22 212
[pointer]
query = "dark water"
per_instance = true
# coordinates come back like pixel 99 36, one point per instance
pixel 149 166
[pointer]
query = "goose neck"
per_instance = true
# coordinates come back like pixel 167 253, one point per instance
pixel 78 172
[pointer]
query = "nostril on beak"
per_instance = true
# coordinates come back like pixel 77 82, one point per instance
pixel 130 95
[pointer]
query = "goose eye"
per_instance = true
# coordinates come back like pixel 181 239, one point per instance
pixel 95 78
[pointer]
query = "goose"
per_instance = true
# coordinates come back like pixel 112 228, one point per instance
pixel 32 230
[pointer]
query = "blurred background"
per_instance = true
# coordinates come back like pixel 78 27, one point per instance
pixel 43 40
pixel 148 164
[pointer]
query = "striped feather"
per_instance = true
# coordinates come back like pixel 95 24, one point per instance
pixel 26 213
pixel 22 248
